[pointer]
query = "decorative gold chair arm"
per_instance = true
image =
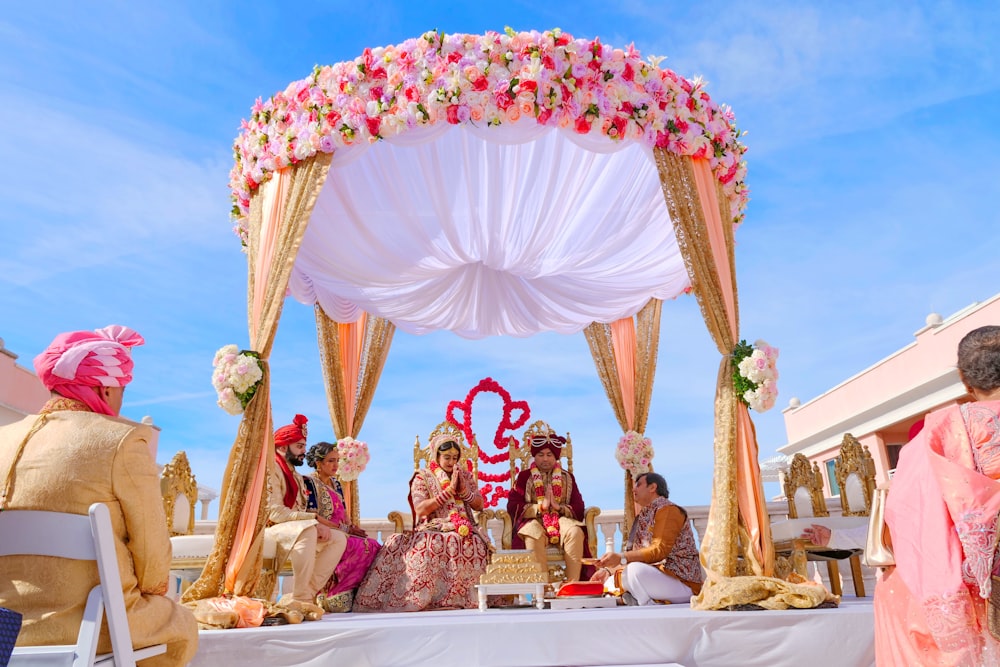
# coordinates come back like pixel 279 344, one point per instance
pixel 483 518
pixel 508 528
pixel 397 521
pixel 590 522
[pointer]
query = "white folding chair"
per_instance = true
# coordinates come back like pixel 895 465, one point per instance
pixel 38 533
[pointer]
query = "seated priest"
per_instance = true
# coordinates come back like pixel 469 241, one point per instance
pixel 546 507
pixel 312 543
pixel 660 560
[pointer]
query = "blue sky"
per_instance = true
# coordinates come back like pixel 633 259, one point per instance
pixel 874 159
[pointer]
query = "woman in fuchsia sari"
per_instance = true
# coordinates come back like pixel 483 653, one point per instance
pixel 930 609
pixel 327 499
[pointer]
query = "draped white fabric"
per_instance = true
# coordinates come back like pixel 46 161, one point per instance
pixel 488 231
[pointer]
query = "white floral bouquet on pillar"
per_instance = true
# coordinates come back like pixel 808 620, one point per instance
pixel 236 377
pixel 634 453
pixel 354 458
pixel 755 374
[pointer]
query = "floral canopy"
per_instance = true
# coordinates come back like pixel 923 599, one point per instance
pixel 497 184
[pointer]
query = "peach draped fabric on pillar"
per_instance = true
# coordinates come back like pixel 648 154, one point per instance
pixel 625 354
pixel 352 355
pixel 704 235
pixel 279 213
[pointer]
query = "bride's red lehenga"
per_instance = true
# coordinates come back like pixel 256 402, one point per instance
pixel 431 567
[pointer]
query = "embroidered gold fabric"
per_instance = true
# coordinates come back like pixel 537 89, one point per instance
pixel 254 442
pixel 720 551
pixel 378 333
pixel 647 341
pixel 767 592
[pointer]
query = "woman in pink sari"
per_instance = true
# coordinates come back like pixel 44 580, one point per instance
pixel 438 564
pixel 326 498
pixel 930 609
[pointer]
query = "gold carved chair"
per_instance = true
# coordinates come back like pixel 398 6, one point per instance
pixel 180 494
pixel 804 493
pixel 854 471
pixel 423 457
pixel 520 459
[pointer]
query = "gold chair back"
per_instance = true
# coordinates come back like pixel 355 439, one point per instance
pixel 180 494
pixel 423 456
pixel 854 471
pixel 804 489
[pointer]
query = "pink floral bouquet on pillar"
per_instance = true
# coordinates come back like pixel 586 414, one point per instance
pixel 354 458
pixel 236 377
pixel 634 453
pixel 755 374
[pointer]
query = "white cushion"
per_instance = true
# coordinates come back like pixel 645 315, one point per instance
pixel 192 546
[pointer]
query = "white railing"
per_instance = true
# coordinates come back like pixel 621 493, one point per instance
pixel 609 529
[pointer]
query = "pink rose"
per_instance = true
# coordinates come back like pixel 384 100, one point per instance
pixel 513 113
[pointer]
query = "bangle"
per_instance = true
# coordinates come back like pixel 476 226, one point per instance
pixel 607 569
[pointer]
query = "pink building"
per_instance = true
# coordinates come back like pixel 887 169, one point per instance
pixel 21 392
pixel 882 403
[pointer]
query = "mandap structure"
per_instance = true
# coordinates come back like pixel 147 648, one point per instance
pixel 496 184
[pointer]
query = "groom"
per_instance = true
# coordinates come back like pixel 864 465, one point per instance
pixel 547 508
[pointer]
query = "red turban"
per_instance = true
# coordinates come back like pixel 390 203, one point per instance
pixel 293 432
pixel 551 442
pixel 78 360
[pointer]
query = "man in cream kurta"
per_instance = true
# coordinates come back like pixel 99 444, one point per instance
pixel 311 543
pixel 74 453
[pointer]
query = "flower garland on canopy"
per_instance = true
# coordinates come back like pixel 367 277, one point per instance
pixel 634 453
pixel 515 415
pixel 755 374
pixel 236 376
pixel 579 85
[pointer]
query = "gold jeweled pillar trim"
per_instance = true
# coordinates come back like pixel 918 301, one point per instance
pixel 253 447
pixel 719 544
pixel 378 333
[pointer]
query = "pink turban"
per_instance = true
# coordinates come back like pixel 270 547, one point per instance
pixel 78 360
pixel 293 432
pixel 552 442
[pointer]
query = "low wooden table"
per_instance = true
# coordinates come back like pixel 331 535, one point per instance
pixel 536 590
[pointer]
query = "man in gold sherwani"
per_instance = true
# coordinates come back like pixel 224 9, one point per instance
pixel 312 543
pixel 76 452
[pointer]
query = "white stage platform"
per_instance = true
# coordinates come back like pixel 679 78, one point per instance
pixel 529 637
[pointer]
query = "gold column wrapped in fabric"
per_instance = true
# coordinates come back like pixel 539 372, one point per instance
pixel 625 354
pixel 704 235
pixel 279 213
pixel 352 355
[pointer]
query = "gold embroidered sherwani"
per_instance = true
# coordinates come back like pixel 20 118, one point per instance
pixel 313 562
pixel 73 461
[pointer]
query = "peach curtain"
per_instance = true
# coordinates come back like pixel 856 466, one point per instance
pixel 352 355
pixel 279 213
pixel 625 353
pixel 705 237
